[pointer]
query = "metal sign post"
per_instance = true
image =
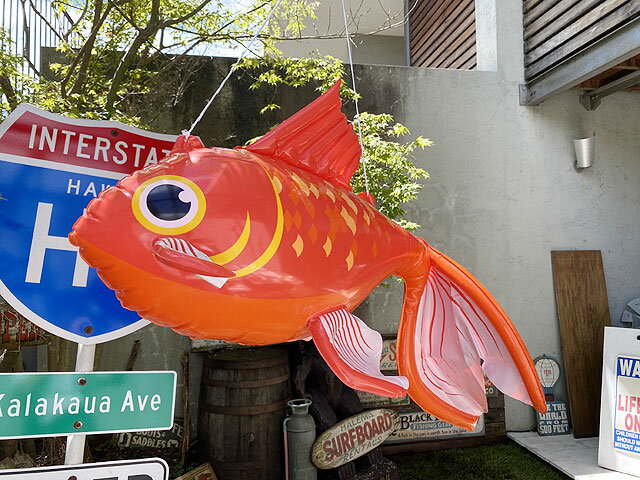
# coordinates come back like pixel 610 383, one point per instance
pixel 75 443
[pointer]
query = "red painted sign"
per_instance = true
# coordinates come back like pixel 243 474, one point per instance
pixel 97 145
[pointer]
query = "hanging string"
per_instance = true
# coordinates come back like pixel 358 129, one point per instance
pixel 355 98
pixel 246 49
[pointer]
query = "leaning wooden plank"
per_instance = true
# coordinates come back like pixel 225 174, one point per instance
pixel 447 35
pixel 549 30
pixel 621 16
pixel 592 25
pixel 583 312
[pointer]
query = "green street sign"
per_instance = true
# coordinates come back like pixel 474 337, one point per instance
pixel 57 404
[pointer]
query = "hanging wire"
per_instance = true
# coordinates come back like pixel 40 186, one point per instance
pixel 355 98
pixel 246 49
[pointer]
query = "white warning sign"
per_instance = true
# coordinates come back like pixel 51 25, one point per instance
pixel 627 405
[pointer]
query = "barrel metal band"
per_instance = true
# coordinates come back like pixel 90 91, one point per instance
pixel 255 465
pixel 246 383
pixel 245 365
pixel 247 410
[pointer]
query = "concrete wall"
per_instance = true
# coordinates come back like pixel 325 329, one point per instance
pixel 369 50
pixel 384 47
pixel 503 192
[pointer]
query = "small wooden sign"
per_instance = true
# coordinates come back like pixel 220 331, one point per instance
pixel 417 426
pixel 388 358
pixel 163 439
pixel 371 400
pixel 203 472
pixel 352 438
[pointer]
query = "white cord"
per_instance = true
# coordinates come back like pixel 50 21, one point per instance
pixel 233 68
pixel 355 91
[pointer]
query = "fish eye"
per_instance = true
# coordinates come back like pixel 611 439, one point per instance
pixel 169 204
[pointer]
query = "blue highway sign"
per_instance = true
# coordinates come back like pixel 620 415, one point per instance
pixel 50 168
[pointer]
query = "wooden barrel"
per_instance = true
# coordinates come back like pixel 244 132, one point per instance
pixel 242 406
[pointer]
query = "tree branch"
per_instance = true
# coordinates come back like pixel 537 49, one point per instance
pixel 127 60
pixel 86 58
pixel 9 92
pixel 185 17
pixel 85 50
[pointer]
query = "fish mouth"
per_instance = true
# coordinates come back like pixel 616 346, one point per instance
pixel 182 255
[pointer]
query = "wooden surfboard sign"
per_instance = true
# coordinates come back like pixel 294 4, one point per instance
pixel 353 437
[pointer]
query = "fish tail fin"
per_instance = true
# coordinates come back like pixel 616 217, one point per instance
pixel 451 333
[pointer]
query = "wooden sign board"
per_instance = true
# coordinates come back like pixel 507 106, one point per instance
pixel 371 400
pixel 154 439
pixel 15 330
pixel 352 438
pixel 388 358
pixel 418 426
pixel 203 472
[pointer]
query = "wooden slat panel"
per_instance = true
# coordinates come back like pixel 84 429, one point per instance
pixel 426 18
pixel 442 32
pixel 470 65
pixel 418 19
pixel 430 38
pixel 529 4
pixel 469 43
pixel 603 26
pixel 558 24
pixel 533 14
pixel 459 23
pixel 583 312
pixel 549 16
pixel 435 19
pixel 594 17
pixel 445 59
pixel 465 57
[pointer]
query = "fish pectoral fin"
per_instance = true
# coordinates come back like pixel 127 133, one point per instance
pixel 353 351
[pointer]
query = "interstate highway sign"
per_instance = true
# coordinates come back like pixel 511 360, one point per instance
pixel 146 469
pixel 58 404
pixel 50 168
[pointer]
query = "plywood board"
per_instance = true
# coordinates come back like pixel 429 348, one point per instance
pixel 583 312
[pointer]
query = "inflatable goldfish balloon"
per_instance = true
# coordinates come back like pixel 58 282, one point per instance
pixel 268 244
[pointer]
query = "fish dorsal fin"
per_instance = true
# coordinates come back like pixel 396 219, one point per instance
pixel 186 143
pixel 317 139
